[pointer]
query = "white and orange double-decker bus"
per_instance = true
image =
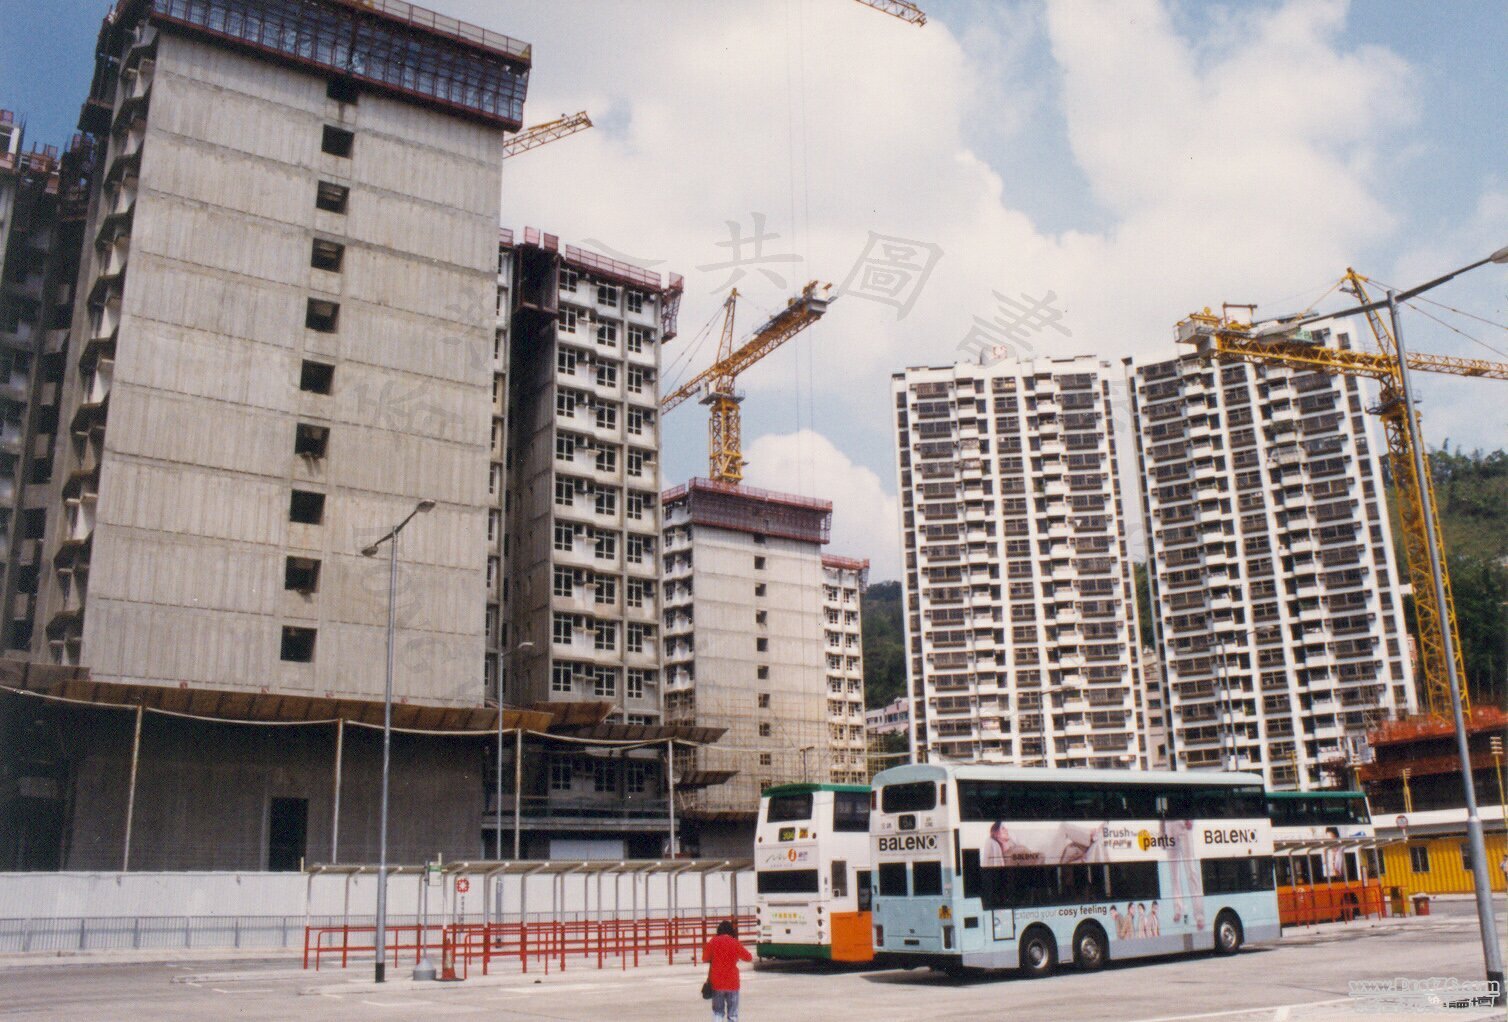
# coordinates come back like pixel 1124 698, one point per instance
pixel 811 869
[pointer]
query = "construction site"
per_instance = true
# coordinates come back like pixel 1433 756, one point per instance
pixel 356 603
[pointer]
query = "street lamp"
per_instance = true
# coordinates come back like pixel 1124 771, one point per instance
pixel 391 539
pixel 517 755
pixel 1491 952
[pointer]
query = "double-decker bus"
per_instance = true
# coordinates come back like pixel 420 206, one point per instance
pixel 811 871
pixel 1005 867
pixel 1326 856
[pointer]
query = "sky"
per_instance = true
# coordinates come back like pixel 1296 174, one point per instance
pixel 1114 164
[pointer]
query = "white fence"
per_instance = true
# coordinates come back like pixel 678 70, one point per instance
pixel 94 911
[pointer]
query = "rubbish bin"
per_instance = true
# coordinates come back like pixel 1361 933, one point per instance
pixel 1421 904
pixel 1396 905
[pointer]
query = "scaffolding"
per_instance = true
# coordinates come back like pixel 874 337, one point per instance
pixel 749 509
pixel 387 45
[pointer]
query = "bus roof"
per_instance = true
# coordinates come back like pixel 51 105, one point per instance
pixel 1314 794
pixel 803 789
pixel 987 772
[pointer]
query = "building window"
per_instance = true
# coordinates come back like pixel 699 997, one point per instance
pixel 306 507
pixel 310 441
pixel 607 335
pixel 607 295
pixel 316 377
pixel 759 588
pixel 568 280
pixel 605 502
pixel 606 589
pixel 637 377
pixel 605 636
pixel 634 301
pixel 637 460
pixel 562 629
pixel 758 566
pixel 637 635
pixel 322 315
pixel 633 592
pixel 762 645
pixel 604 777
pixel 607 375
pixel 605 683
pixel 301 574
pixel 560 773
pixel 337 141
pixel 298 644
pixel 635 502
pixel 331 197
pixel 765 759
pixel 761 617
pixel 636 778
pixel 569 317
pixel 564 582
pixel 565 447
pixel 565 537
pixel 634 683
pixel 1419 858
pixel 565 492
pixel 606 546
pixel 762 673
pixel 342 90
pixel 566 359
pixel 562 678
pixel 764 729
pixel 638 337
pixel 327 255
pixel 607 459
pixel 764 700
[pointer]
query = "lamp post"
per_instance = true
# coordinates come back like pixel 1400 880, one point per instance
pixel 1491 952
pixel 391 539
pixel 498 809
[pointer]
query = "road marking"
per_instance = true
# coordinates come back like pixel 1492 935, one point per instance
pixel 396 1004
pixel 1285 1009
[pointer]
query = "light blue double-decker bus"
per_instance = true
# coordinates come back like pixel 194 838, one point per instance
pixel 1004 867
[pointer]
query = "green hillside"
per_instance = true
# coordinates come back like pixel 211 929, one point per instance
pixel 1472 493
pixel 884 644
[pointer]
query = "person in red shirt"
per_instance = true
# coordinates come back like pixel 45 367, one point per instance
pixel 722 954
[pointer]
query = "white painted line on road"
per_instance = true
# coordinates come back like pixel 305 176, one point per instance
pixel 397 1004
pixel 1284 1008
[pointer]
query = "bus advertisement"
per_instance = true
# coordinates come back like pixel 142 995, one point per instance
pixel 811 872
pixel 1003 867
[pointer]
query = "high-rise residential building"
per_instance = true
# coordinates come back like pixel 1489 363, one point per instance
pixel 286 245
pixel 1274 584
pixel 574 535
pixel 1021 625
pixel 763 637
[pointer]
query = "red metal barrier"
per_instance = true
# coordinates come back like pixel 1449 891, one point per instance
pixel 1305 905
pixel 539 943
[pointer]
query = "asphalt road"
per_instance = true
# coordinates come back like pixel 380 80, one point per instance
pixel 1303 979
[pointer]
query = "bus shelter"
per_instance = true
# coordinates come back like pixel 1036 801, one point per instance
pixel 1329 879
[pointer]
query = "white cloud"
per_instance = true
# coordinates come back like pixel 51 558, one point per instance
pixel 866 517
pixel 1240 164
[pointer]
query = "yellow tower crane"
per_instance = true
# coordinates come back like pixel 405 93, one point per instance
pixel 541 134
pixel 725 445
pixel 1221 337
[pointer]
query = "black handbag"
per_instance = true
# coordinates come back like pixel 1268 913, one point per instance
pixel 706 990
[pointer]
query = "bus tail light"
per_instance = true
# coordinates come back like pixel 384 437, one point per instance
pixel 879 936
pixel 947 938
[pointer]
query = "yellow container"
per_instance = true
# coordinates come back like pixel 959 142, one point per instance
pixel 1436 865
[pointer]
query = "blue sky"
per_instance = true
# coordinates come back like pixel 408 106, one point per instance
pixel 1136 159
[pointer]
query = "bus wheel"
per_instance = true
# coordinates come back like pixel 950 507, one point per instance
pixel 1039 952
pixel 1090 948
pixel 1227 933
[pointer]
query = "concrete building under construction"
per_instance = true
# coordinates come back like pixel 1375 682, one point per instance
pixel 763 638
pixel 293 325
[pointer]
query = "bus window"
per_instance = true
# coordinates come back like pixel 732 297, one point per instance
pixel 892 879
pixel 851 812
pixel 866 897
pixel 915 797
pixel 840 879
pixel 926 879
pixel 789 807
pixel 971 876
pixel 787 881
